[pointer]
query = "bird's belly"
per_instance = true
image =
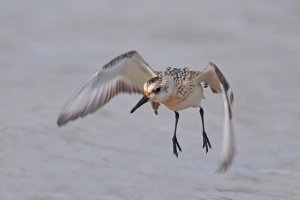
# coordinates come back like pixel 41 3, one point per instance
pixel 192 99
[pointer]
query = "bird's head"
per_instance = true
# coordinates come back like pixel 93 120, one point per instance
pixel 154 90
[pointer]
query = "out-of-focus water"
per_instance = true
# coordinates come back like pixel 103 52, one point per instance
pixel 48 48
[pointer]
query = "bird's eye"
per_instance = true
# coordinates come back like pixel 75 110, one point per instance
pixel 157 90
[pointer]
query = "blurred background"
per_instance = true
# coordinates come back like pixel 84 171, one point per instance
pixel 48 48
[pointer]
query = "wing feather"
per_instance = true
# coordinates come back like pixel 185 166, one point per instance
pixel 218 84
pixel 126 73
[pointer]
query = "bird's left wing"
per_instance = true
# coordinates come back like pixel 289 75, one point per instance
pixel 125 73
pixel 213 77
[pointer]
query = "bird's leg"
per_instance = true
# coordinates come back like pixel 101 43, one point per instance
pixel 206 142
pixel 174 139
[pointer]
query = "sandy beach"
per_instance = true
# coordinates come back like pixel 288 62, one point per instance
pixel 49 48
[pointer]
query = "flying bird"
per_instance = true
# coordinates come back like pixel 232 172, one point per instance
pixel 175 88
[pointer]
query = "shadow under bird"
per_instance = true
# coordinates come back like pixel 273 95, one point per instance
pixel 176 88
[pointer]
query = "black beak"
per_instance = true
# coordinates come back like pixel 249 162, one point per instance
pixel 140 103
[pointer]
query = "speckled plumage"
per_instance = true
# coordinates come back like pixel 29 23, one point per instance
pixel 176 88
pixel 179 85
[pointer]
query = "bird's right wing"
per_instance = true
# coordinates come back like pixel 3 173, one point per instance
pixel 125 73
pixel 213 77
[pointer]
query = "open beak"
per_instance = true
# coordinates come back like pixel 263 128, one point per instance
pixel 140 103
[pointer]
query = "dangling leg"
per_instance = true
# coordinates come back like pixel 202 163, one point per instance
pixel 206 142
pixel 174 139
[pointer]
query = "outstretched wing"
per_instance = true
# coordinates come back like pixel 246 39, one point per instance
pixel 125 73
pixel 213 77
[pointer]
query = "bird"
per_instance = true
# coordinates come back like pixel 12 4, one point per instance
pixel 175 88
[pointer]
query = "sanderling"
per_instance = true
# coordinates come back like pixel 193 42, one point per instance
pixel 176 88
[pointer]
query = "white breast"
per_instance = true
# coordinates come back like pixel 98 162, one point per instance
pixel 192 98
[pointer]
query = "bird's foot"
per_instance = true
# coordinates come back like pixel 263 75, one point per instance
pixel 206 142
pixel 175 146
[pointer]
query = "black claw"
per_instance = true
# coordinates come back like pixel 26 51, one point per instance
pixel 175 146
pixel 178 146
pixel 175 153
pixel 206 142
pixel 174 139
